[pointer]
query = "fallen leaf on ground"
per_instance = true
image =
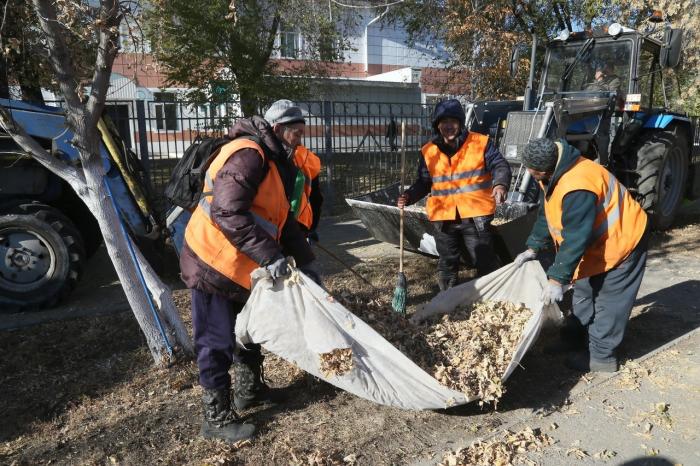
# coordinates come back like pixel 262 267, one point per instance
pixel 577 453
pixel 504 450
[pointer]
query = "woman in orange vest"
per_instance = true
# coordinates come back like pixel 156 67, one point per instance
pixel 243 221
pixel 307 200
pixel 466 176
pixel 600 235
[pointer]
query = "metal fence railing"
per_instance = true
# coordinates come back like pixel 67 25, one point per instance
pixel 359 143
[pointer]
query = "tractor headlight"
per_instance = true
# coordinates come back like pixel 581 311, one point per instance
pixel 615 29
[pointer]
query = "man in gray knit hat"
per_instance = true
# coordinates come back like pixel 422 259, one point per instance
pixel 600 236
pixel 287 121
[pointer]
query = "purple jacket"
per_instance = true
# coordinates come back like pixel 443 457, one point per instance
pixel 235 186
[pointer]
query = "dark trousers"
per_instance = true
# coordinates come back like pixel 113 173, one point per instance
pixel 470 235
pixel 602 303
pixel 213 323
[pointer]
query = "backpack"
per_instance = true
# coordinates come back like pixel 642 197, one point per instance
pixel 187 179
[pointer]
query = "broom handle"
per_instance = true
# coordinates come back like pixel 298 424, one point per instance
pixel 403 182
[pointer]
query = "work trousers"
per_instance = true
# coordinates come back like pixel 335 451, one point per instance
pixel 213 324
pixel 602 303
pixel 471 236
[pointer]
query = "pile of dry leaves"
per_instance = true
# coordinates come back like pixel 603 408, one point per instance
pixel 476 344
pixel 337 362
pixel 501 451
pixel 467 350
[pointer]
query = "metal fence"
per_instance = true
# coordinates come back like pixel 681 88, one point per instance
pixel 359 143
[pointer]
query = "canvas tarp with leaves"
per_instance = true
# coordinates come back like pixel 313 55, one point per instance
pixel 298 321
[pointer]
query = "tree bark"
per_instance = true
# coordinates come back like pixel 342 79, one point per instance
pixel 4 85
pixel 89 185
pixel 89 182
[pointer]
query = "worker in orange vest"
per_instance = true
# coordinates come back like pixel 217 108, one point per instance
pixel 243 221
pixel 307 199
pixel 600 235
pixel 466 177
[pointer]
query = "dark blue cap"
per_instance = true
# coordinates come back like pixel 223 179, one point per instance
pixel 450 108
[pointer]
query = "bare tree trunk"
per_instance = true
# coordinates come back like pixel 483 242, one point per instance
pixel 163 297
pixel 89 182
pixel 90 186
pixel 103 208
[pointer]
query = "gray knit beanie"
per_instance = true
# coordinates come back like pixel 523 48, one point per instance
pixel 541 155
pixel 284 112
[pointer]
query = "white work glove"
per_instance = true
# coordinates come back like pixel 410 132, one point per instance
pixel 526 255
pixel 553 292
pixel 278 268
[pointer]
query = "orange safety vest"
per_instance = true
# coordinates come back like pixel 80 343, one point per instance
pixel 310 166
pixel 269 209
pixel 460 183
pixel 619 224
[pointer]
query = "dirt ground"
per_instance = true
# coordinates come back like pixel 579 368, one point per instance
pixel 84 391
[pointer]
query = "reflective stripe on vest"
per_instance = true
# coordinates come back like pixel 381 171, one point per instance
pixel 464 189
pixel 461 183
pixel 269 211
pixel 619 224
pixel 266 225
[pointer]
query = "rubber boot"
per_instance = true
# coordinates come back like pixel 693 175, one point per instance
pixel 220 419
pixel 446 281
pixel 583 362
pixel 249 387
pixel 572 337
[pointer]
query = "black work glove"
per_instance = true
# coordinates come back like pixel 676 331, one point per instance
pixel 310 271
pixel 278 267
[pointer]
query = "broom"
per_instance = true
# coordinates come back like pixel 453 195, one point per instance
pixel 399 301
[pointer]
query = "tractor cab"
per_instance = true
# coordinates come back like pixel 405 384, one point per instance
pixel 600 64
pixel 614 95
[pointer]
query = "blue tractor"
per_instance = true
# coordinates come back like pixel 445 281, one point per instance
pixel 614 95
pixel 46 231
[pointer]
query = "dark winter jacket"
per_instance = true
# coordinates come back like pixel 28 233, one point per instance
pixel 235 187
pixel 578 216
pixel 495 164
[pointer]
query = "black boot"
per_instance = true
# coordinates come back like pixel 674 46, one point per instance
pixel 572 337
pixel 249 387
pixel 220 419
pixel 446 281
pixel 583 362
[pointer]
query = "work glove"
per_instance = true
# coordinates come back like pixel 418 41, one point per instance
pixel 278 268
pixel 526 255
pixel 312 237
pixel 553 292
pixel 312 273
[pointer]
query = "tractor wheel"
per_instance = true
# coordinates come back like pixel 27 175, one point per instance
pixel 662 170
pixel 41 257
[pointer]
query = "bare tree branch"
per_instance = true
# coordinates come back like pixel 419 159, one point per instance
pixel 110 17
pixel 60 57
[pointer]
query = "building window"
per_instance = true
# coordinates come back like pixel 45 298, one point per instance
pixel 289 43
pixel 166 111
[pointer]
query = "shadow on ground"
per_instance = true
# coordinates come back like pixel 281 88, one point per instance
pixel 48 369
